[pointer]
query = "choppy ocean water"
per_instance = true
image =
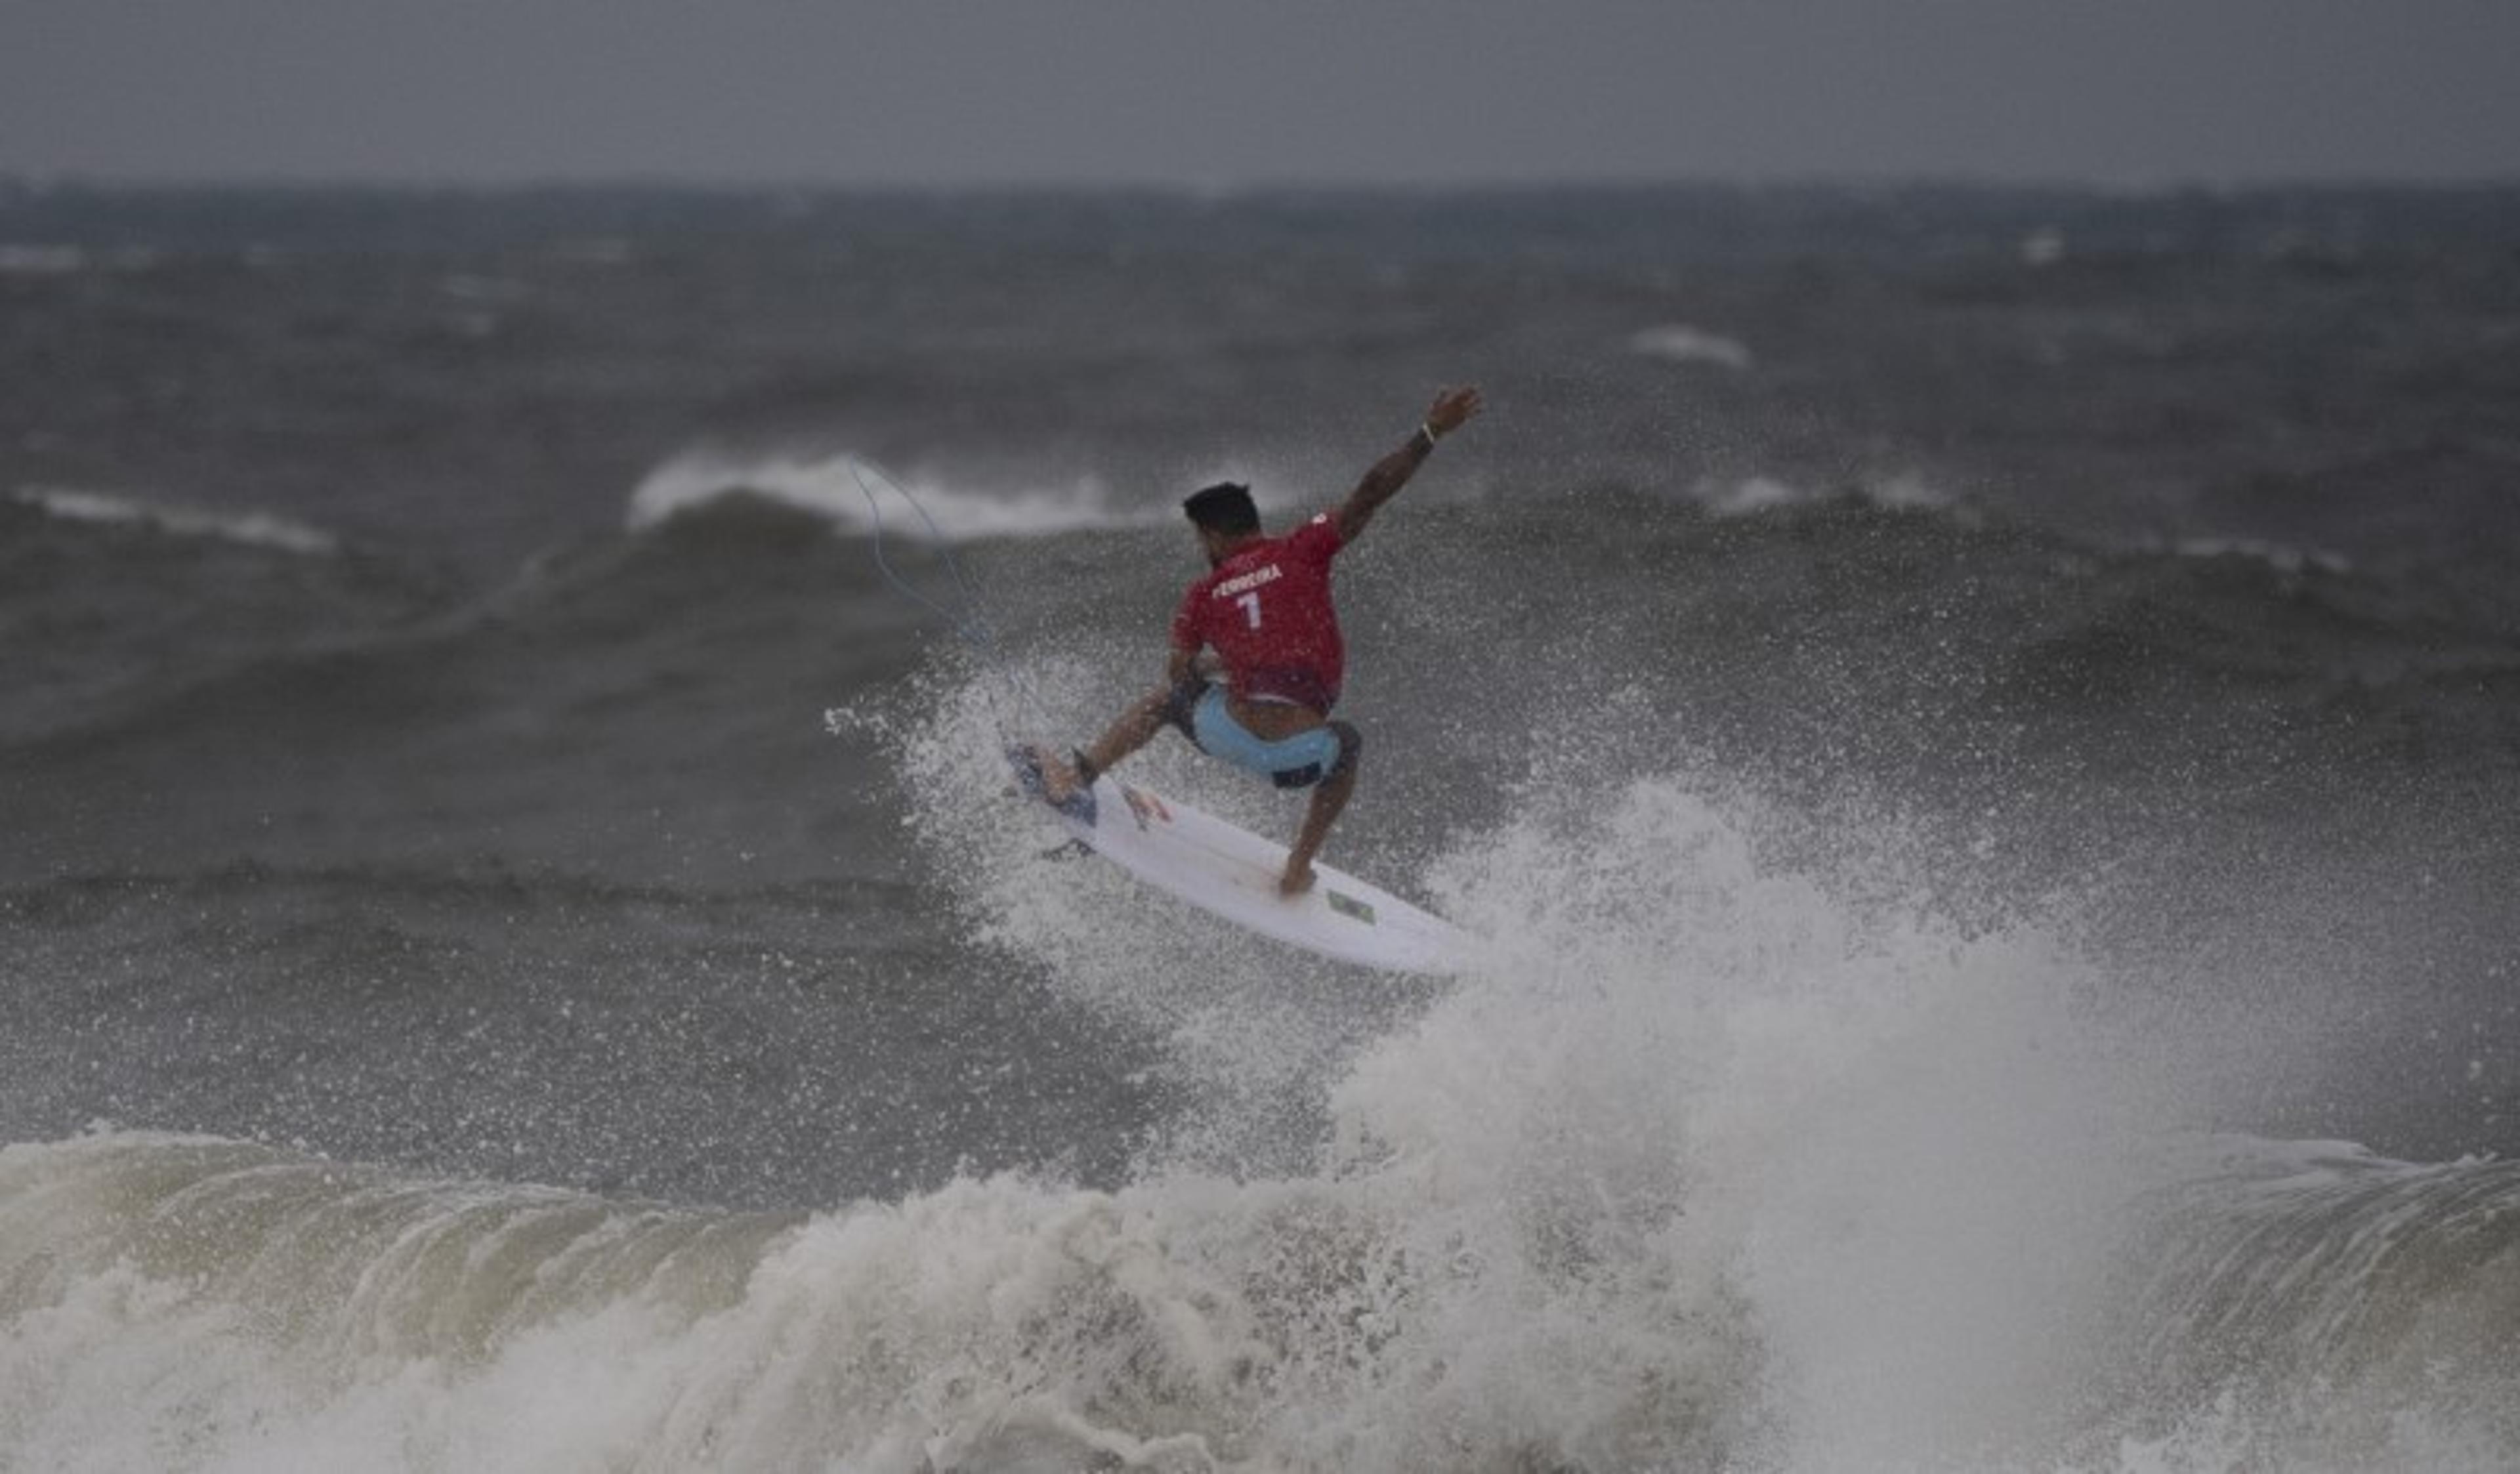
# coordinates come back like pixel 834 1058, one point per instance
pixel 1983 725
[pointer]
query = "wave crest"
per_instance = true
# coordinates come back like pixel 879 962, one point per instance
pixel 259 529
pixel 856 498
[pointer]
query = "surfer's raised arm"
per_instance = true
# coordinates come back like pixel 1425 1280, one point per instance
pixel 1452 409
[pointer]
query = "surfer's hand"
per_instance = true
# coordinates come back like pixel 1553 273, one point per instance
pixel 1454 408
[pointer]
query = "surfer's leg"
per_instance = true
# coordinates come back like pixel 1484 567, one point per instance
pixel 1151 713
pixel 1324 811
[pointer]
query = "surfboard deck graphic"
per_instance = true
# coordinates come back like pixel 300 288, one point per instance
pixel 1231 873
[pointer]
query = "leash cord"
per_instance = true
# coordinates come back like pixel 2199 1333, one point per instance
pixel 973 626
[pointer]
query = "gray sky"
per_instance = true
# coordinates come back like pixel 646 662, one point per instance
pixel 1200 93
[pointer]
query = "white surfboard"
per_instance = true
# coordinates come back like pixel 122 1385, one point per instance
pixel 1232 872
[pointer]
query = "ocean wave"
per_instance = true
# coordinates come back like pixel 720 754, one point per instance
pixel 2342 1309
pixel 1709 1168
pixel 855 497
pixel 28 259
pixel 188 1302
pixel 258 529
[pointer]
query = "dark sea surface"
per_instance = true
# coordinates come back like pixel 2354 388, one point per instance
pixel 1981 727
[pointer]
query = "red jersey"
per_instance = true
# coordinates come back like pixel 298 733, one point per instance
pixel 1266 611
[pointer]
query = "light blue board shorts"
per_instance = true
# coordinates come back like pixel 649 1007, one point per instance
pixel 1294 762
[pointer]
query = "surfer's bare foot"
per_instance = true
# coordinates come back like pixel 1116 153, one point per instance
pixel 1298 879
pixel 1059 781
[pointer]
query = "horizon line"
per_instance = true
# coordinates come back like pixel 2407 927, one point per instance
pixel 23 181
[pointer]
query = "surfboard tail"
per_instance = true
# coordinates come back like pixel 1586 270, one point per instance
pixel 1027 759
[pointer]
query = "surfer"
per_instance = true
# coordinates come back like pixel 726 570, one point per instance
pixel 1262 620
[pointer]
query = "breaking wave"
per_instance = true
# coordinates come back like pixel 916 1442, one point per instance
pixel 856 496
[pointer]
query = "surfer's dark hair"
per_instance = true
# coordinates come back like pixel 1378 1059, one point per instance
pixel 1225 506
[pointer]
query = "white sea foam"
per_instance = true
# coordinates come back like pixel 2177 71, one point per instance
pixel 1681 343
pixel 2044 247
pixel 260 529
pixel 857 497
pixel 2283 557
pixel 1681 1177
pixel 1748 496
